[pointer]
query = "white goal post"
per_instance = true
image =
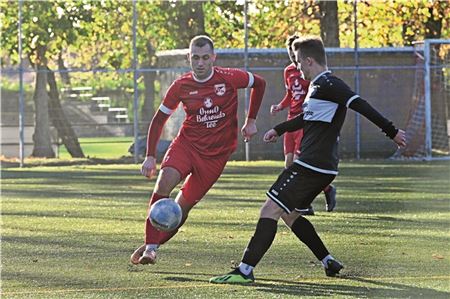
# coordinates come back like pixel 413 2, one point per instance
pixel 430 58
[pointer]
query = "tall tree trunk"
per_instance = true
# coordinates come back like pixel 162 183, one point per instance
pixel 149 94
pixel 408 39
pixel 59 120
pixel 65 78
pixel 42 145
pixel 329 23
pixel 433 26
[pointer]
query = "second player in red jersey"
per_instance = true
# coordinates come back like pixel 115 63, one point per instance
pixel 296 89
pixel 206 139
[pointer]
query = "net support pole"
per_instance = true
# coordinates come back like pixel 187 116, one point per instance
pixel 21 93
pixel 247 91
pixel 135 88
pixel 427 85
pixel 357 116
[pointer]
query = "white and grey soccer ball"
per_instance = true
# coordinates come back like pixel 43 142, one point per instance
pixel 165 214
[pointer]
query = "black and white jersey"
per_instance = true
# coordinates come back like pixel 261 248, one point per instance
pixel 324 111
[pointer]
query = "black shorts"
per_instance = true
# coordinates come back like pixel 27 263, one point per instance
pixel 297 187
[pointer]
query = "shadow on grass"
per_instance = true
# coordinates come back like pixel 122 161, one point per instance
pixel 287 287
pixel 11 163
pixel 398 290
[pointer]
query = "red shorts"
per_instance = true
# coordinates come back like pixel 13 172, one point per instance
pixel 292 142
pixel 201 172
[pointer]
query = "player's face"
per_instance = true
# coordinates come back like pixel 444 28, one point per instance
pixel 304 64
pixel 201 60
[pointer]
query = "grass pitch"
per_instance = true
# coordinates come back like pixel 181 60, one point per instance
pixel 68 231
pixel 101 147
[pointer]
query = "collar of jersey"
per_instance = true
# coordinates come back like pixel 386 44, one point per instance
pixel 204 80
pixel 318 76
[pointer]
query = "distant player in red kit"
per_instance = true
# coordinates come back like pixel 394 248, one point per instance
pixel 206 139
pixel 296 89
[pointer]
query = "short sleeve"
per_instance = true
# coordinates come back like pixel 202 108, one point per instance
pixel 239 78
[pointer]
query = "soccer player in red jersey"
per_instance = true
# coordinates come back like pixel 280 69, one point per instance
pixel 206 139
pixel 296 90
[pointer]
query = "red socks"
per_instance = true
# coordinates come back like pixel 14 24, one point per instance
pixel 152 235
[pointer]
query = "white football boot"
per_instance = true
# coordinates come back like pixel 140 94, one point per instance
pixel 148 257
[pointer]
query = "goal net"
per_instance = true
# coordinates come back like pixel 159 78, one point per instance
pixel 427 129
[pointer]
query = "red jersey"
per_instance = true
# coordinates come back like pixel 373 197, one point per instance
pixel 211 124
pixel 296 90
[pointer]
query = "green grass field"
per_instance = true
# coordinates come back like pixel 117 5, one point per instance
pixel 101 147
pixel 68 232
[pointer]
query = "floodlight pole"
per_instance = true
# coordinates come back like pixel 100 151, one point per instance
pixel 357 116
pixel 247 91
pixel 21 93
pixel 135 88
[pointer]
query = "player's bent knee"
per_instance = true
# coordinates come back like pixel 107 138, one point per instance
pixel 271 210
pixel 168 179
pixel 289 219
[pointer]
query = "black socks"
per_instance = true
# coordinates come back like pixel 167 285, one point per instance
pixel 305 231
pixel 265 232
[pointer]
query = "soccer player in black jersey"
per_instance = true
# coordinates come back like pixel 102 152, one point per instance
pixel 323 114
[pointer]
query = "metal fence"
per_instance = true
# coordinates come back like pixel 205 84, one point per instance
pixel 109 109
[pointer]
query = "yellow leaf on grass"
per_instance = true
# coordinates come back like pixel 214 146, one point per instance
pixel 437 256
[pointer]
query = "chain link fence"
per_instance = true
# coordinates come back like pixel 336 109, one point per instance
pixel 105 110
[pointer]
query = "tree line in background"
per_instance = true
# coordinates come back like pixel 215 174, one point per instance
pixel 98 34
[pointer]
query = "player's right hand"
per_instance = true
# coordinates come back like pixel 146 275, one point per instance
pixel 274 109
pixel 148 168
pixel 270 136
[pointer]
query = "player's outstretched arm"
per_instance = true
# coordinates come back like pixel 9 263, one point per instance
pixel 291 125
pixel 364 108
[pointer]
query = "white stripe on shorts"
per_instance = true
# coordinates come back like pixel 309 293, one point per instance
pixel 278 202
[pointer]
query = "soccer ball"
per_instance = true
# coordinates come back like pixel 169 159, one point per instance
pixel 165 214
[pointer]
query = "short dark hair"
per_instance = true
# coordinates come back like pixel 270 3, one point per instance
pixel 291 39
pixel 201 41
pixel 289 42
pixel 311 46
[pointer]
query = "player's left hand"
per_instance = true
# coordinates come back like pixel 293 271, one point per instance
pixel 249 129
pixel 270 136
pixel 400 138
pixel 274 109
